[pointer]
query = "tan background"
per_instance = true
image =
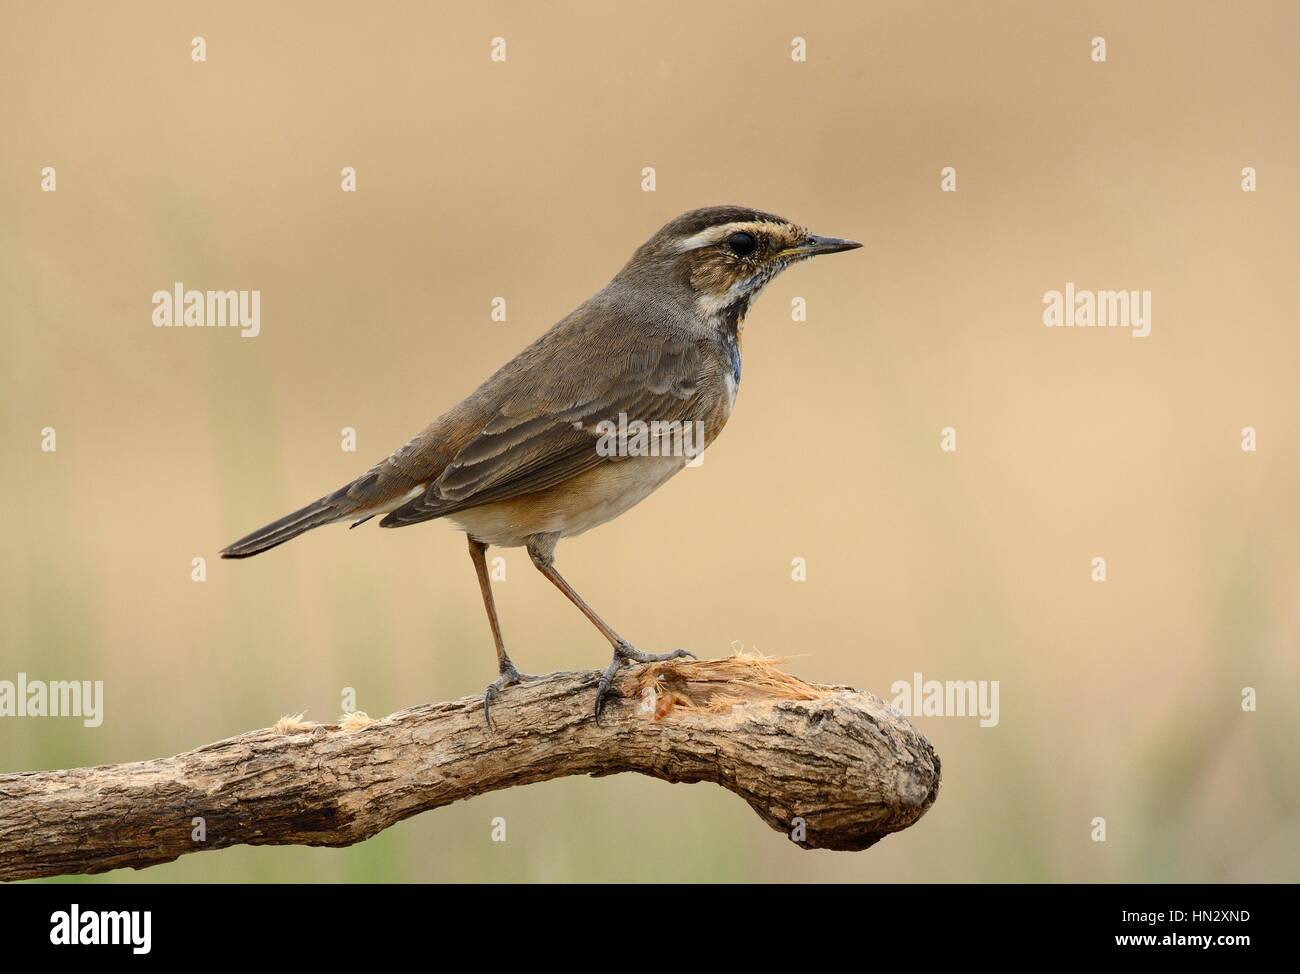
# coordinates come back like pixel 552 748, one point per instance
pixel 522 179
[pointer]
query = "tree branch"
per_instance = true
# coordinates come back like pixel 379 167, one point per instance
pixel 840 760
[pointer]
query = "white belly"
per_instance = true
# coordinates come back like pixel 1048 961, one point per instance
pixel 578 505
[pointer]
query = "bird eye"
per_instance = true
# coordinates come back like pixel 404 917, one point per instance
pixel 742 244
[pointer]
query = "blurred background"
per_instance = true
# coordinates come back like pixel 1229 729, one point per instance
pixel 523 179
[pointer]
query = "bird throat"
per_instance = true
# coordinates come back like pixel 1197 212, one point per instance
pixel 731 324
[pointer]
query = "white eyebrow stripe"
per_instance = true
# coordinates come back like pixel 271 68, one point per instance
pixel 710 236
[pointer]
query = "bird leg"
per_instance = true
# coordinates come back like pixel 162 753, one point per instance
pixel 508 674
pixel 541 548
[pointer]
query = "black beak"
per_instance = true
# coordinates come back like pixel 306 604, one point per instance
pixel 815 245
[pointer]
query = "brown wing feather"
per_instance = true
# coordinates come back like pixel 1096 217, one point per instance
pixel 542 429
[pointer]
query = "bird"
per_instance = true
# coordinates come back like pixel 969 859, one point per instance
pixel 540 451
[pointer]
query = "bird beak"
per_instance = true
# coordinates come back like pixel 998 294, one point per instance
pixel 815 245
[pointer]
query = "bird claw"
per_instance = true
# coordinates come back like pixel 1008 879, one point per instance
pixel 508 678
pixel 625 654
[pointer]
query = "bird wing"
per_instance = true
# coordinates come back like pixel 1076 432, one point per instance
pixel 540 424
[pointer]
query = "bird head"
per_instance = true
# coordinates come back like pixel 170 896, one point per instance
pixel 725 255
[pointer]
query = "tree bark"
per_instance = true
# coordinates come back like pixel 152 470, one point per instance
pixel 832 767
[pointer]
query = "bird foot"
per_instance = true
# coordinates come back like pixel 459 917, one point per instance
pixel 508 678
pixel 625 654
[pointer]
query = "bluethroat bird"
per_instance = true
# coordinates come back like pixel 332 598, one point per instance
pixel 520 462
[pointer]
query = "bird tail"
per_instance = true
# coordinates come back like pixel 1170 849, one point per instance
pixel 330 508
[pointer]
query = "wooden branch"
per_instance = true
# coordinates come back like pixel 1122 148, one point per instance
pixel 840 760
